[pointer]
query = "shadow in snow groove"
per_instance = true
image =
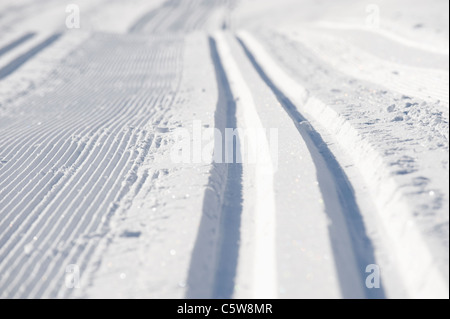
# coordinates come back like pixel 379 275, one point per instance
pixel 16 43
pixel 214 259
pixel 22 59
pixel 352 248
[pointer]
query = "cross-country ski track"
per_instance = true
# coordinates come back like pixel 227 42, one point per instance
pixel 351 170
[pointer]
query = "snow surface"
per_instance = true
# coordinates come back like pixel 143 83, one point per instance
pixel 92 204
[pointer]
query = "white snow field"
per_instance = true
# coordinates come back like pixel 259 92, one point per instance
pixel 348 197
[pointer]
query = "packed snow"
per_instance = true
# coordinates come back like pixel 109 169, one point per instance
pixel 116 123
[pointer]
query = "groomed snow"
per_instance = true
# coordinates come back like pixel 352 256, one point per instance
pixel 93 204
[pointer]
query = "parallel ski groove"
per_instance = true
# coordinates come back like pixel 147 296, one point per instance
pixel 76 189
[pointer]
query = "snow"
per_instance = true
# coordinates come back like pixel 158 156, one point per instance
pixel 367 160
pixel 93 205
pixel 264 270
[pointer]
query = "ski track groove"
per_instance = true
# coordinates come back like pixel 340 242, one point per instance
pixel 15 43
pixel 175 16
pixel 27 155
pixel 90 221
pixel 112 116
pixel 55 195
pixel 63 175
pixel 76 226
pixel 93 140
pixel 22 59
pixel 82 176
pixel 56 126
